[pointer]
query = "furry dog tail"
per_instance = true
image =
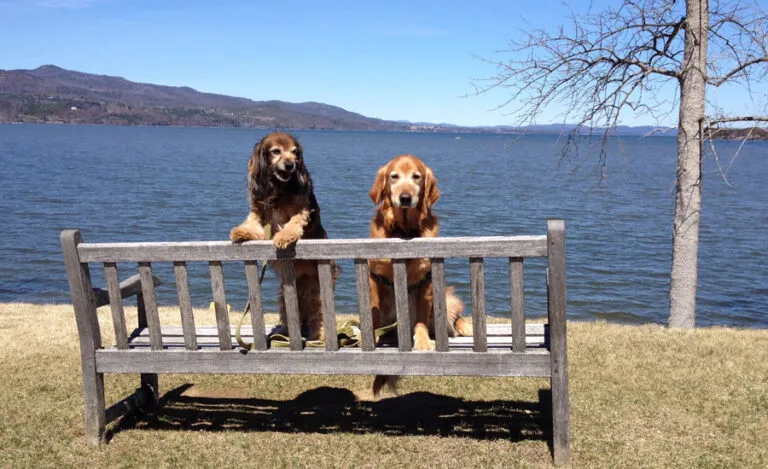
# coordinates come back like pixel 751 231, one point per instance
pixel 457 324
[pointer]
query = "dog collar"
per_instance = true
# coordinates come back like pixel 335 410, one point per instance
pixel 385 281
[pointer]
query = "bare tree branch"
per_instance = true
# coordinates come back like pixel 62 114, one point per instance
pixel 723 119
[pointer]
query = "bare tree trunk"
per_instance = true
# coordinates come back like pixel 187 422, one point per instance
pixel 685 242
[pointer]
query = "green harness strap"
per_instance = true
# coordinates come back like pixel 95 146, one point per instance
pixel 348 334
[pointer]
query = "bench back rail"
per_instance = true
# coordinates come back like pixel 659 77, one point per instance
pixel 516 249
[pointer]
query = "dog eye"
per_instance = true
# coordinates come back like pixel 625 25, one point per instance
pixel 275 151
pixel 394 177
pixel 416 177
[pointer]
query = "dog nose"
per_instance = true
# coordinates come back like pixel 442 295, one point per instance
pixel 405 199
pixel 289 165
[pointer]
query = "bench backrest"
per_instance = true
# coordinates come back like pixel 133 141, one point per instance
pixel 78 255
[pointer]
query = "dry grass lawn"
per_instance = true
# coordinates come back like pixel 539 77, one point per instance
pixel 640 397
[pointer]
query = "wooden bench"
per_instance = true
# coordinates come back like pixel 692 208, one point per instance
pixel 494 350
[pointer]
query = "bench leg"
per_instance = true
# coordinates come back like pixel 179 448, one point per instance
pixel 95 416
pixel 561 435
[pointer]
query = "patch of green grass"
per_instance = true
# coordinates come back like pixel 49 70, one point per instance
pixel 641 396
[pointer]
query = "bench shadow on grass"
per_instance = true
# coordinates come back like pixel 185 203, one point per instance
pixel 337 410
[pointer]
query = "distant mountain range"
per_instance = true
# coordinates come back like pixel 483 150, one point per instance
pixel 50 94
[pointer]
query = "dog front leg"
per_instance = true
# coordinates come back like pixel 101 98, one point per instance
pixel 249 230
pixel 292 231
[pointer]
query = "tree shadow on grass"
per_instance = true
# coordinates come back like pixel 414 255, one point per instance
pixel 336 410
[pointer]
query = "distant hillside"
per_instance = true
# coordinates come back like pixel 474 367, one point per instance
pixel 753 133
pixel 53 94
pixel 50 94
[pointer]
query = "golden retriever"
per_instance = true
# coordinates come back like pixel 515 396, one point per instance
pixel 404 191
pixel 281 195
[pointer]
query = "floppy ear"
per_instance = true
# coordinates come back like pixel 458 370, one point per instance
pixel 431 192
pixel 259 184
pixel 302 173
pixel 379 188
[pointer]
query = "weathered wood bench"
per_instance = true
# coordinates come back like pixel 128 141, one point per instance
pixel 494 350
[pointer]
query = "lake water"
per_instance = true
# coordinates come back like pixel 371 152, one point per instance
pixel 176 184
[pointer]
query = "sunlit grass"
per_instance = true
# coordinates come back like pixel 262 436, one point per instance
pixel 641 396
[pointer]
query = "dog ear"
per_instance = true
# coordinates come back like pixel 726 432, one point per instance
pixel 431 192
pixel 259 184
pixel 379 188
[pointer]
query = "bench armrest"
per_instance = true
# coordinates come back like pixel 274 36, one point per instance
pixel 128 287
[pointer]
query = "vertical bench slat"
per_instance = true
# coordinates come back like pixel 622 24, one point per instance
pixel 116 304
pixel 291 299
pixel 257 309
pixel 148 380
pixel 84 304
pixel 556 309
pixel 185 305
pixel 439 306
pixel 517 303
pixel 325 278
pixel 220 305
pixel 404 334
pixel 150 305
pixel 367 342
pixel 477 283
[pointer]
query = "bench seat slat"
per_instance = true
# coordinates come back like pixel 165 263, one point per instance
pixel 498 338
pixel 209 330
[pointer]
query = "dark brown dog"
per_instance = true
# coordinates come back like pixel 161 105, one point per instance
pixel 281 195
pixel 404 191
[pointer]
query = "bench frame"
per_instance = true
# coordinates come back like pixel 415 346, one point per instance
pixel 550 359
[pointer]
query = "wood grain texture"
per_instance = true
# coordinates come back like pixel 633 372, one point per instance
pixel 290 295
pixel 556 300
pixel 116 304
pixel 185 304
pixel 404 329
pixel 487 246
pixel 253 277
pixel 439 305
pixel 517 303
pixel 477 285
pixel 150 305
pixel 220 304
pixel 325 277
pixel 320 361
pixel 367 341
pixel 84 304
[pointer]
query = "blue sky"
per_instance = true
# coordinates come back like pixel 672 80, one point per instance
pixel 412 60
